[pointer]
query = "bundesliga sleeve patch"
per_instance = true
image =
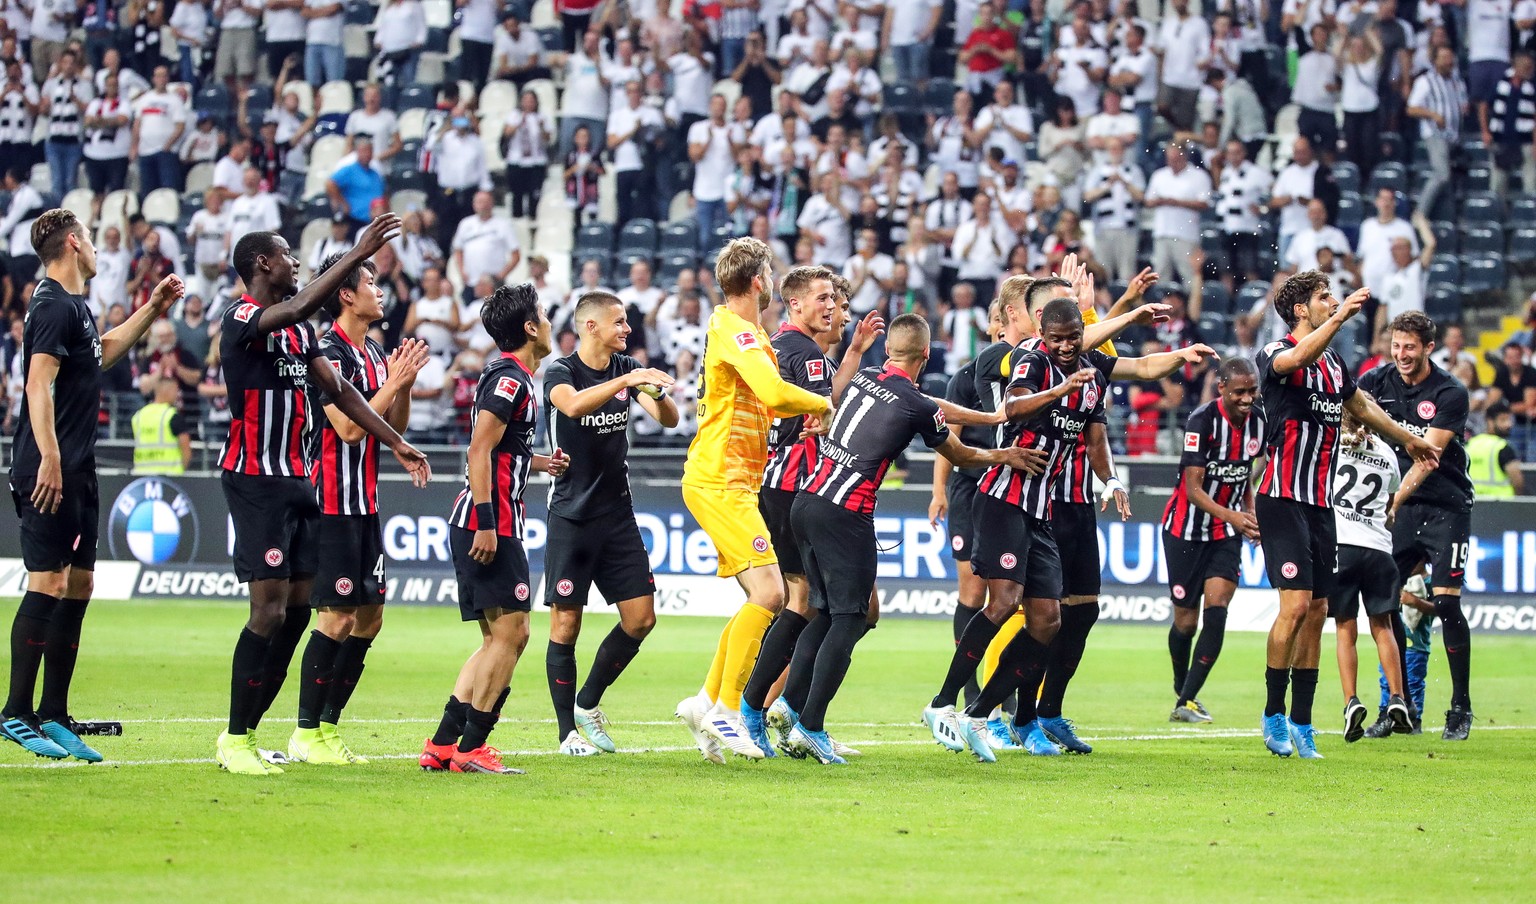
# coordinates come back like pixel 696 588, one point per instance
pixel 815 370
pixel 1191 442
pixel 1021 371
pixel 938 419
pixel 746 340
pixel 506 387
pixel 245 312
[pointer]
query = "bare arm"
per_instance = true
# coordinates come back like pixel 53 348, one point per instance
pixel 1367 412
pixel 303 305
pixel 938 506
pixel 352 404
pixel 1194 485
pixel 963 456
pixel 403 366
pixel 1306 352
pixel 118 342
pixel 1020 405
pixel 574 403
pixel 1161 364
pixel 49 490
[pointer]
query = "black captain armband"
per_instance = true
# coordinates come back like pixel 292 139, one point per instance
pixel 485 515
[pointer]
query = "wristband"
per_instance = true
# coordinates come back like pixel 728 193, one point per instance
pixel 1110 486
pixel 485 515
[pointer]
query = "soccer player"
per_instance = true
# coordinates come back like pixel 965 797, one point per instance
pixel 1306 388
pixel 1204 524
pixel 833 516
pixel 349 587
pixel 1434 504
pixel 485 532
pixel 53 478
pixel 593 536
pixel 271 358
pixel 740 390
pixel 1365 478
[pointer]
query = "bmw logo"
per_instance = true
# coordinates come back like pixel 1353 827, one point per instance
pixel 153 521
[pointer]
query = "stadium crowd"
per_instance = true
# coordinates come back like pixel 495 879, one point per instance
pixel 926 150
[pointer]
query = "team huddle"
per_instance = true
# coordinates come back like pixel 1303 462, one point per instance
pixel 1362 489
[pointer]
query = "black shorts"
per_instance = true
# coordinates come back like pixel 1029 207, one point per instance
pixel 1076 527
pixel 961 491
pixel 774 505
pixel 277 526
pixel 1365 575
pixel 838 548
pixel 1014 546
pixel 66 538
pixel 501 584
pixel 607 551
pixel 351 562
pixel 1191 563
pixel 1428 533
pixel 1301 550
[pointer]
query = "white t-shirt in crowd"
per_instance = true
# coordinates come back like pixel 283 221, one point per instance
pixel 1374 248
pixel 1302 253
pixel 881 266
pixel 691 82
pixel 710 173
pixel 439 338
pixel 1298 183
pixel 908 17
pixel 486 245
pixel 1488 24
pixel 158 113
pixel 324 30
pixel 1186 47
pixel 1193 184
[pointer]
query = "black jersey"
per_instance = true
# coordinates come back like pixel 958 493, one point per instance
pixel 1055 430
pixel 993 371
pixel 270 408
pixel 1227 453
pixel 1302 412
pixel 802 363
pixel 881 412
pixel 1439 401
pixel 346 476
pixel 505 389
pixel 597 443
pixel 60 325
pixel 962 392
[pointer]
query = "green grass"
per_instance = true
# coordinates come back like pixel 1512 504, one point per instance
pixel 1156 813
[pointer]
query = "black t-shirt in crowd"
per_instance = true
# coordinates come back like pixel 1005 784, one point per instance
pixel 60 325
pixel 597 443
pixel 1513 386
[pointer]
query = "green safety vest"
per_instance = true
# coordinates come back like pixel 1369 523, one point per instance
pixel 1488 479
pixel 156 449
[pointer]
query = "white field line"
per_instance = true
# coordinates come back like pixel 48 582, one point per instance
pixel 906 742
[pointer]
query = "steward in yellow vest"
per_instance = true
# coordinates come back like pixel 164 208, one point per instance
pixel 161 442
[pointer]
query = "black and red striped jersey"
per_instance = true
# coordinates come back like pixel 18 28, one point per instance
pixel 1076 484
pixel 802 363
pixel 270 407
pixel 506 390
pixel 881 411
pixel 346 475
pixel 1302 412
pixel 1226 451
pixel 1055 430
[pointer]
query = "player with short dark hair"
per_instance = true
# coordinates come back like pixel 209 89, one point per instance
pixel 1306 388
pixel 593 537
pixel 1366 477
pixel 833 516
pixel 485 531
pixel 349 588
pixel 1204 524
pixel 53 478
pixel 271 360
pixel 1433 506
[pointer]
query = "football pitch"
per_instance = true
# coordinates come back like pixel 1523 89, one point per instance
pixel 1157 812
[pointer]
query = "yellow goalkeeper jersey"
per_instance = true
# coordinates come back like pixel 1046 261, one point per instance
pixel 740 392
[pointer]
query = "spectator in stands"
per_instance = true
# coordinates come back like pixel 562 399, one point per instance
pixel 1488 45
pixel 159 120
pixel 1177 193
pixel 283 29
pixel 870 273
pixel 18 111
pixel 354 187
pixel 908 32
pixel 1316 89
pixel 399 34
pixel 585 101
pixel 1438 101
pixel 254 211
pixel 235 60
pixel 1514 382
pixel 583 168
pixel 208 232
pixel 1067 237
pixel 988 51
pixel 337 242
pixel 434 317
pixel 145 18
pixel 108 137
pixel 202 144
pixel 113 264
pixel 12 361
pixel 324 59
pixel 485 244
pixel 1113 121
pixel 1184 46
pixel 1374 247
pixel 963 328
pixel 24 207
pixel 189 23
pixel 758 73
pixel 130 83
pixel 64 99
pixel 955 145
pixel 1114 194
pixel 641 298
pixel 1508 123
pixel 229 172
pixel 1302 252
pixel 682 332
pixel 633 131
pixel 1294 188
pixel 1062 146
pixel 525 141
pixel 170 243
pixel 1453 348
pixel 51 22
pixel 376 121
pixel 981 247
pixel 1402 285
pixel 1360 62
pixel 1242 114
pixel 1079 66
pixel 431 401
pixel 518 53
pixel 416 248
pixel 711 148
pixel 150 266
pixel 1245 187
pixel 194 331
pixel 824 220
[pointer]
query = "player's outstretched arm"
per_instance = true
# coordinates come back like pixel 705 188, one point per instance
pixel 1098 333
pixel 762 376
pixel 865 333
pixel 116 344
pixel 307 301
pixel 352 404
pixel 1367 412
pixel 961 416
pixel 1161 364
pixel 1030 461
pixel 1311 347
pixel 1021 405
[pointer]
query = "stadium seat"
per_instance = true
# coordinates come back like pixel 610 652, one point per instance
pixel 671 266
pixel 497 99
pixel 406 176
pixel 78 202
pixel 439 13
pixel 1347 175
pixel 550 39
pixel 1351 211
pixel 1447 236
pixel 305 94
pixel 162 206
pixel 260 98
pixel 1389 174
pixel 413 124
pixel 626 259
pixel 199 177
pixel 1215 299
pixel 1482 207
pixel 1442 302
pixel 1522 208
pixel 213 99
pixel 901 97
pixel 1445 268
pixel 939 98
pixel 1251 294
pixel 430 70
pixel 1481 274
pixel 543 14
pixel 1215 329
pixel 1482 238
pixel 117 207
pixel 407 199
pixel 728 88
pixel 638 235
pixel 335 97
pixel 1478 178
pixel 1522 246
pixel 359 12
pixel 1475 153
pixel 417 97
pixel 681 235
pixel 594 237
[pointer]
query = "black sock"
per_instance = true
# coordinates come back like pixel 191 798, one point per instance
pixel 1179 646
pixel 1212 632
pixel 1019 668
pixel 245 678
pixel 279 656
pixel 774 657
pixel 1065 656
pixel 1458 647
pixel 832 662
pixel 317 671
pixel 802 667
pixel 614 655
pixel 1400 634
pixel 349 670
pixel 477 727
pixel 1303 690
pixel 501 700
pixel 969 651
pixel 962 617
pixel 1275 683
pixel 63 648
pixel 560 668
pixel 452 724
pixel 29 637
